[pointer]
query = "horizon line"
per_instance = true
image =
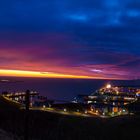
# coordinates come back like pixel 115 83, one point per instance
pixel 40 74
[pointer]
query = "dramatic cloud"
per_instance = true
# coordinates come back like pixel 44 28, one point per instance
pixel 97 38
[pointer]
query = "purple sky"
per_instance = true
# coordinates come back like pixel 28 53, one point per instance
pixel 97 38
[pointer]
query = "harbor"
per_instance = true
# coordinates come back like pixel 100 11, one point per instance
pixel 109 101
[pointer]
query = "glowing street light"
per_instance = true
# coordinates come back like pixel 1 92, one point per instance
pixel 86 112
pixel 97 111
pixel 108 86
pixel 124 110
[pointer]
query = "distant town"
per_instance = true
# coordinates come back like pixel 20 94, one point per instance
pixel 108 101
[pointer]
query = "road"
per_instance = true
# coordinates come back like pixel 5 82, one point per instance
pixel 87 113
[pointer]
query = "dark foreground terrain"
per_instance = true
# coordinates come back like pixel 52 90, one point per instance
pixel 50 126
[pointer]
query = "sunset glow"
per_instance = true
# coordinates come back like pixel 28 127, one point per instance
pixel 19 73
pixel 70 42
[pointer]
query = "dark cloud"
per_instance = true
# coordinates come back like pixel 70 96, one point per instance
pixel 72 34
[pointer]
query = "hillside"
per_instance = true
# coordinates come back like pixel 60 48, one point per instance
pixel 51 126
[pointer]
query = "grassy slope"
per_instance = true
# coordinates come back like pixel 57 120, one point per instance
pixel 50 126
pixel 8 105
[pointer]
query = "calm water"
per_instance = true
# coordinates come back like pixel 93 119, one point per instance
pixel 61 89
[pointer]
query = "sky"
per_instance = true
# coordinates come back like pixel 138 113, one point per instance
pixel 70 38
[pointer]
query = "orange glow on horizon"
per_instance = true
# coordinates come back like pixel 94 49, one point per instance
pixel 22 73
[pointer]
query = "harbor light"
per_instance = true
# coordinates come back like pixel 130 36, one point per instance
pixel 108 86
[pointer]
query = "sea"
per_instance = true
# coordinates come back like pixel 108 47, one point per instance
pixel 59 89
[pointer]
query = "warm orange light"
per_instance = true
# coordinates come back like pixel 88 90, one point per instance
pixel 115 109
pixel 19 73
pixel 108 86
pixel 40 74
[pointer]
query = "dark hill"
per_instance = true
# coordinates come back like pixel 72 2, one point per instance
pixel 51 126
